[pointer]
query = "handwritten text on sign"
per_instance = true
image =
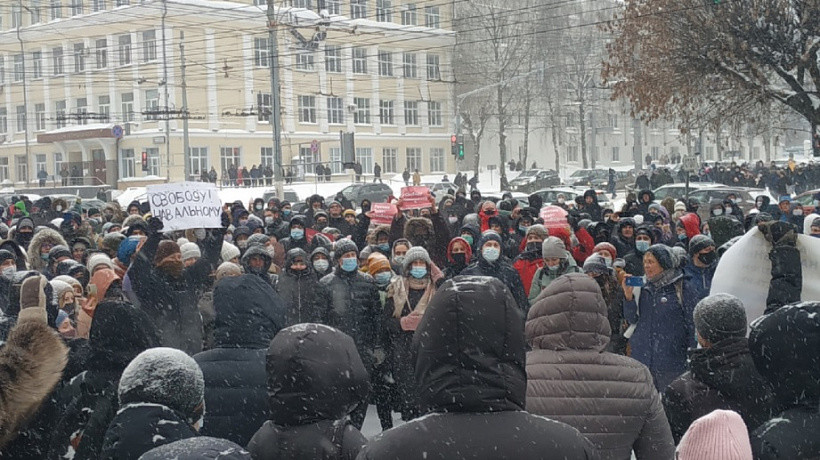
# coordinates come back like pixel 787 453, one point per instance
pixel 184 205
pixel 415 197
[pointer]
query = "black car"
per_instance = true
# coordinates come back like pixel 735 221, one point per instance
pixel 376 193
pixel 535 179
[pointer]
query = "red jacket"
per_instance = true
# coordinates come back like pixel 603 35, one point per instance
pixel 526 266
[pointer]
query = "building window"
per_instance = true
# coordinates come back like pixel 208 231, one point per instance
pixel 4 121
pixel 335 111
pixel 124 42
pixel 76 7
pixel 127 163
pixel 40 163
pixel 37 64
pixel 4 169
pixel 2 70
pixel 389 158
pixel 82 111
pixel 413 155
pixel 104 108
pixel 18 67
pixel 79 57
pixel 123 2
pixel 386 113
pixel 21 166
pixel 266 156
pixel 362 114
pixel 307 109
pixel 432 17
pixel 198 159
pixel 16 16
pixel 229 156
pixel 436 160
pixel 408 15
pixel 616 154
pixel 359 60
pixel 40 117
pixel 364 156
pixel 58 163
pixel 34 9
pixel 384 11
pixel 21 118
pixel 358 9
pixel 333 6
pixel 572 153
pixel 149 46
pixel 60 114
pixel 409 65
pixel 101 53
pixel 434 113
pixel 304 61
pixel 335 160
pixel 56 9
pixel 710 153
pixel 309 159
pixel 151 105
pixel 655 152
pixel 57 60
pixel 98 5
pixel 153 161
pixel 306 4
pixel 385 63
pixel 333 58
pixel 263 104
pixel 411 113
pixel 127 106
pixel 433 69
pixel 260 52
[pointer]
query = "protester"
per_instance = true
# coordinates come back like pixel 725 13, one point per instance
pixel 719 435
pixel 557 262
pixel 305 299
pixel 491 263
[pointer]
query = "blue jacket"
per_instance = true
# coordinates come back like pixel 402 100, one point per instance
pixel 665 329
pixel 697 281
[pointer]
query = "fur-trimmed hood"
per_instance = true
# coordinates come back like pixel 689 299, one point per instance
pixel 418 230
pixel 372 236
pixel 44 235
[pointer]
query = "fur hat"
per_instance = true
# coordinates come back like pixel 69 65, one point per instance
pixel 228 269
pixel 553 247
pixel 680 206
pixel 665 257
pixel 344 246
pixel 166 249
pixel 720 435
pixel 720 316
pixel 99 259
pixel 190 251
pixel 229 251
pixel 413 254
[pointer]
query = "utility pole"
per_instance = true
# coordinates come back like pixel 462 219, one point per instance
pixel 167 99
pixel 186 151
pixel 25 95
pixel 276 112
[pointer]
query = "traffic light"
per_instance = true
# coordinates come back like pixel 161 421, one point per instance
pixel 815 144
pixel 461 147
pixel 454 144
pixel 145 161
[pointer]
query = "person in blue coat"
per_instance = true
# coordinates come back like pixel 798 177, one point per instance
pixel 700 268
pixel 660 316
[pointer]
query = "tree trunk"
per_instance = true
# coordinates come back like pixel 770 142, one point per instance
pixel 526 130
pixel 502 137
pixel 718 144
pixel 637 143
pixel 554 132
pixel 582 121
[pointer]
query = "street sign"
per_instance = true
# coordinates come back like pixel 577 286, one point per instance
pixel 690 163
pixel 314 146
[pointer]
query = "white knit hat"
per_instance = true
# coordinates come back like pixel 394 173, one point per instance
pixel 229 251
pixel 189 251
pixel 720 435
pixel 99 259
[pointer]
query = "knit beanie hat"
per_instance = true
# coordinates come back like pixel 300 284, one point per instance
pixel 680 206
pixel 680 253
pixel 228 269
pixel 719 317
pixel 607 247
pixel 166 249
pixel 665 257
pixel 229 251
pixel 258 238
pixel 595 264
pixel 377 262
pixel 553 247
pixel 6 255
pixel 344 246
pixel 413 254
pixel 699 243
pixel 112 241
pixel 164 376
pixel 189 251
pixel 720 435
pixel 58 251
pixel 538 230
pixel 99 259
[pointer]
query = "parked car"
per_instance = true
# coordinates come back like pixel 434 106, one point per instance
pixel 535 179
pixel 550 195
pixel 521 198
pixel 587 177
pixel 376 193
pixel 441 188
pixel 290 195
pixel 709 195
pixel 808 200
pixel 86 204
pixel 678 190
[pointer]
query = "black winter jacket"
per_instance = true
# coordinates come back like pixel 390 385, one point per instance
pixel 138 428
pixel 305 299
pixel 502 270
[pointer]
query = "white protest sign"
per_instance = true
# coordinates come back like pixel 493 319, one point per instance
pixel 745 271
pixel 184 205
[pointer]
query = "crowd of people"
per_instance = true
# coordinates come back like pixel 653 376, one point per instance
pixel 489 331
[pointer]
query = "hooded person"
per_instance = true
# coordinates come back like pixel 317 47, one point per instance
pixel 38 250
pixel 470 233
pixel 490 262
pixel 320 261
pixel 531 258
pixel 782 345
pixel 591 205
pixel 297 237
pixel 257 261
pixel 90 399
pixel 700 266
pixel 63 294
pixel 431 234
pixel 557 262
pixel 723 229
pixel 623 237
pixel 305 299
pixel 721 373
pixel 17 251
pixel 315 379
pixel 645 198
pixel 719 435
pixel 161 394
pixel 24 233
pixel 397 253
pixel 571 377
pixel 644 238
pixel 379 240
pixel 56 255
pixel 459 256
pixel 472 384
pixel 248 315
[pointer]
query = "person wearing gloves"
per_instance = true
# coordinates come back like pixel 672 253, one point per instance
pixel 719 435
pixel 700 267
pixel 305 299
pixel 490 262
pixel 557 262
pixel 660 316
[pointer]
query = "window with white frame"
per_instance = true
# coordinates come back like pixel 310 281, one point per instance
pixel 411 113
pixel 304 60
pixel 384 10
pixel 359 60
pixel 358 9
pixel 434 117
pixel 655 152
pixel 260 52
pixel 16 16
pixel 98 5
pixel 710 153
pixel 307 109
pixel 127 163
pixel 572 153
pixel 58 163
pixel 364 156
pixel 4 120
pixel 4 169
pixel 266 156
pixel 409 64
pixel 432 17
pixel 333 58
pixel 307 4
pixel 2 70
pixel 335 111
pixel 389 160
pixel 362 114
pixel 76 7
pixel 263 107
pixel 57 60
pixel 151 104
pixel 18 67
pixel 21 118
pixel 124 50
pixel 335 160
pixel 56 8
pixel 408 15
pixel 127 100
pixel 229 156
pixel 433 67
pixel 21 166
pixel 40 163
pixel 198 159
pixel 616 154
pixel 40 117
pixel 413 157
pixel 34 10
pixel 149 46
pixel 153 161
pixel 104 108
pixel 437 159
pixel 79 57
pixel 60 114
pixel 333 6
pixel 385 63
pixel 101 53
pixel 310 159
pixel 386 112
pixel 82 111
pixel 37 64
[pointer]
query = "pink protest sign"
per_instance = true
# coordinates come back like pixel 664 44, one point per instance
pixel 553 216
pixel 415 197
pixel 382 213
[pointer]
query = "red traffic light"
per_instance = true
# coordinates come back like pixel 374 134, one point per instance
pixel 453 139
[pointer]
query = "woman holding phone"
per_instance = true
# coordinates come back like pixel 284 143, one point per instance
pixel 660 316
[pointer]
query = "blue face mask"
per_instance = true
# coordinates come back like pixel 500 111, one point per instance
pixel 286 212
pixel 297 233
pixel 642 246
pixel 522 229
pixel 490 254
pixel 384 247
pixel 321 265
pixel 383 278
pixel 418 272
pixel 350 264
pixel 682 236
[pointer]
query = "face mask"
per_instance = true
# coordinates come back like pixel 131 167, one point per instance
pixel 522 229
pixel 728 209
pixel 383 278
pixel 798 212
pixel 398 259
pixel 228 237
pixel 9 272
pixel 490 254
pixel 384 247
pixel 736 201
pixel 533 246
pixel 350 264
pixel 468 239
pixel 553 268
pixel 682 236
pixel 58 208
pixel 418 272
pixel 44 257
pixel 321 265
pixel 286 212
pixel 268 220
pixel 242 244
pixel 461 259
pixel 560 201
pixel 608 262
pixel 243 222
pixel 717 212
pixel 452 219
pixel 708 258
pixel 642 246
pixel 258 207
pixel 24 238
pixel 489 212
pixel 297 233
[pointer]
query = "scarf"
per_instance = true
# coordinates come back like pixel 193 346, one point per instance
pixel 664 278
pixel 398 291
